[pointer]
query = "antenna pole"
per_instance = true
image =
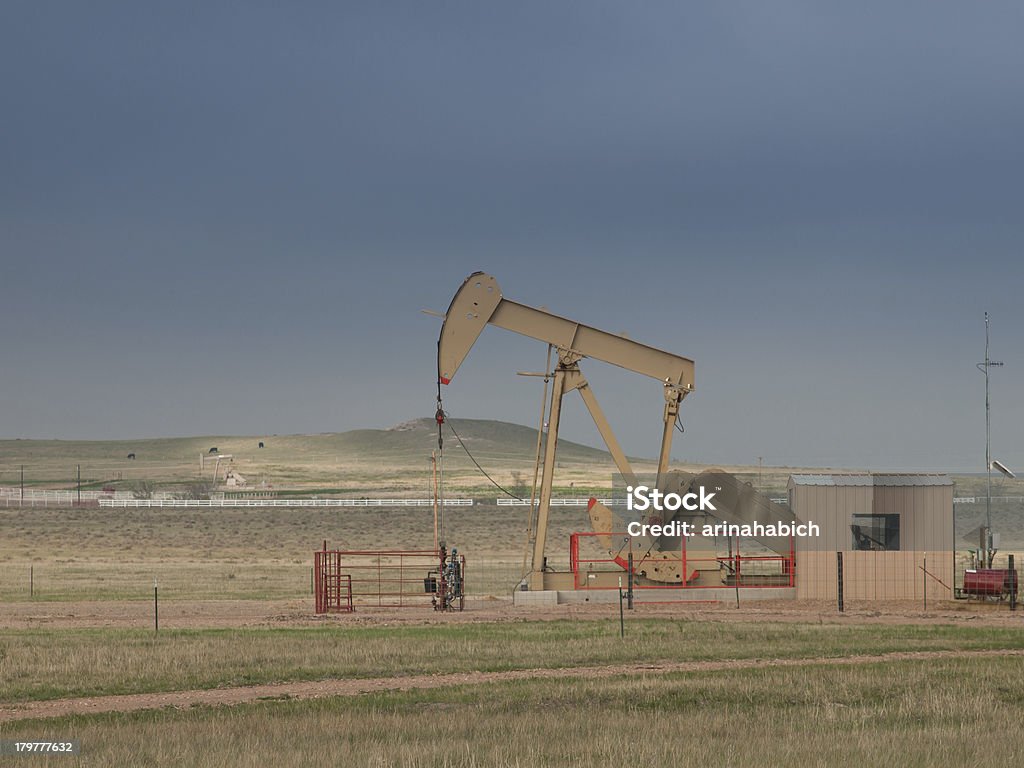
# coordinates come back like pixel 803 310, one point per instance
pixel 989 555
pixel 988 456
pixel 433 464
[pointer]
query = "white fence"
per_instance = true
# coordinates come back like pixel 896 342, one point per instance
pixel 54 497
pixel 566 502
pixel 582 502
pixel 133 503
pixel 980 499
pixel 13 496
pixel 50 496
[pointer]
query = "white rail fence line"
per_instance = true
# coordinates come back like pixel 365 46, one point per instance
pixel 67 496
pixel 135 503
pixel 14 496
pixel 36 494
pixel 566 502
pixel 980 499
pixel 582 502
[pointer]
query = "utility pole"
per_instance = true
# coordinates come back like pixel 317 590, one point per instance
pixel 433 466
pixel 983 367
pixel 79 485
pixel 23 485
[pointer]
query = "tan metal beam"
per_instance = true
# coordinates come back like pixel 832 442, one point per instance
pixel 547 478
pixel 479 302
pixel 673 397
pixel 625 468
pixel 594 343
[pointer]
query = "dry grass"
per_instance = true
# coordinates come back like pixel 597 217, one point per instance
pixel 951 712
pixel 37 664
pixel 257 553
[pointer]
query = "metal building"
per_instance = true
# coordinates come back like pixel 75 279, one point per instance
pixel 895 533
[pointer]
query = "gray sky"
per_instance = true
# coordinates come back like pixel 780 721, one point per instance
pixel 226 218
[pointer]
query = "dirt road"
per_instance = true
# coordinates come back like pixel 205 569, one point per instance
pixel 354 687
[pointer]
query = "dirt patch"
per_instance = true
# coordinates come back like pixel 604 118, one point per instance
pixel 350 687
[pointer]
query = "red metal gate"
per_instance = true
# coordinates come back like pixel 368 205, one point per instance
pixel 333 589
pixel 345 579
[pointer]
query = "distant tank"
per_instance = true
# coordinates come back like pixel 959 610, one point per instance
pixel 989 582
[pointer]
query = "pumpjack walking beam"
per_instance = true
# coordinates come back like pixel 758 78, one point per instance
pixel 479 302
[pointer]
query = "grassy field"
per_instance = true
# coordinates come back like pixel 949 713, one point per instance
pixel 962 711
pixel 57 561
pixel 908 714
pixel 62 553
pixel 258 553
pixel 38 664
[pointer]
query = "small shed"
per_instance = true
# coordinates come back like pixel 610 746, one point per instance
pixel 895 532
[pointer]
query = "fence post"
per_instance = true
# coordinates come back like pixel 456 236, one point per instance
pixel 629 594
pixel 31 581
pixel 839 579
pixel 622 619
pixel 1013 584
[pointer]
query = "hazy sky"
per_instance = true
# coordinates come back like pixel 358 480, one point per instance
pixel 225 218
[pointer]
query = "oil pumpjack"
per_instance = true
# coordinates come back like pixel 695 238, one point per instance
pixel 479 302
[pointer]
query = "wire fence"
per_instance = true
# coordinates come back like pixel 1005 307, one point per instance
pixel 35 497
pixel 58 582
pixel 870 577
pixel 867 579
pixel 282 503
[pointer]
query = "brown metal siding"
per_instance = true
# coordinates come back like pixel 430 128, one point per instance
pixel 875 575
pixel 926 530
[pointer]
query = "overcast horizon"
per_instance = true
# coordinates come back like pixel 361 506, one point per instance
pixel 226 221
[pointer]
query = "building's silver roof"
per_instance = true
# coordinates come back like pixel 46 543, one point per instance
pixel 872 479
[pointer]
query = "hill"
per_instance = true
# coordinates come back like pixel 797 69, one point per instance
pixel 409 441
pixel 371 461
pixel 357 458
